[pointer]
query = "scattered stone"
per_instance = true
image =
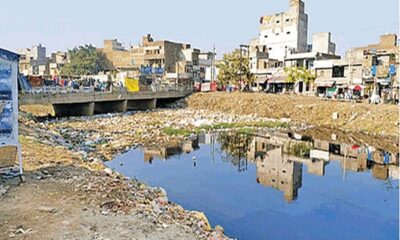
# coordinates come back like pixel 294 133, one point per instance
pixel 47 209
pixel 219 229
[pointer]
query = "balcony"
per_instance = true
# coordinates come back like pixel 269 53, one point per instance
pixel 259 55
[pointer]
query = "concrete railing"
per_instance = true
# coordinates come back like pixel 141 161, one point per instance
pixel 69 90
pixel 54 95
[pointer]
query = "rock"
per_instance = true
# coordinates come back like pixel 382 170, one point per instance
pixel 335 116
pixel 219 229
pixel 108 171
pixel 156 207
pixel 162 192
pixel 22 231
pixel 65 223
pixel 47 209
pixel 202 217
pixel 202 122
pixel 105 212
pixel 4 189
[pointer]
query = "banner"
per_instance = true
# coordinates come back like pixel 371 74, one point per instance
pixel 132 85
pixel 6 101
pixel 150 70
pixel 9 145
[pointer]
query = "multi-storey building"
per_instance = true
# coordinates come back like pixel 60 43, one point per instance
pixel 115 54
pixel 286 32
pixel 153 60
pixel 33 61
pixel 208 71
pixel 369 70
pixel 57 62
pixel 168 60
pixel 379 64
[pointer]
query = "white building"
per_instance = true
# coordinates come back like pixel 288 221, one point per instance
pixel 285 32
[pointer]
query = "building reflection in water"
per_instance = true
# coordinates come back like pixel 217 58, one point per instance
pixel 280 156
pixel 173 149
pixel 276 170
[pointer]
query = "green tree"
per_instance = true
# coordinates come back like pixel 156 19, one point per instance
pixel 84 60
pixel 234 68
pixel 295 74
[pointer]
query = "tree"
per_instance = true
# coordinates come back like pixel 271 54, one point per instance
pixel 84 60
pixel 295 74
pixel 233 69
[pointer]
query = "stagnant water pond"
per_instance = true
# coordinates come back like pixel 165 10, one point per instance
pixel 277 185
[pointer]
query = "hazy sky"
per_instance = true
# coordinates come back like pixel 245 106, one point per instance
pixel 59 25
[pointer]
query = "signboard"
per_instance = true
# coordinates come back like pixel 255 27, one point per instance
pixel 132 85
pixel 150 70
pixel 206 87
pixel 9 108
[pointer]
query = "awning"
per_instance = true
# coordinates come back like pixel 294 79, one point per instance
pixel 277 79
pixel 261 79
pixel 325 84
pixel 356 87
pixel 384 81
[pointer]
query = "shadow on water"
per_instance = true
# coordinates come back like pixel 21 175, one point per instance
pixel 329 182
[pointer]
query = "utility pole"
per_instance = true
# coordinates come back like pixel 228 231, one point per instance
pixel 242 46
pixel 213 65
pixel 240 68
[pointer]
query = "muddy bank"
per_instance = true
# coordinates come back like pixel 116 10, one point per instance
pixel 356 117
pixel 75 203
pixel 76 197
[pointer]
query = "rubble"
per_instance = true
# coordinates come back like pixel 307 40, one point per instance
pixel 111 196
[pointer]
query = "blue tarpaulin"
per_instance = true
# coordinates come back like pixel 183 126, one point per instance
pixel 392 69
pixel 23 83
pixel 373 70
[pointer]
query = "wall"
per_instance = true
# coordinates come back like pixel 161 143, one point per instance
pixel 322 43
pixel 283 32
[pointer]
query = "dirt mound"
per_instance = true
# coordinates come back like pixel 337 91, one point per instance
pixel 374 119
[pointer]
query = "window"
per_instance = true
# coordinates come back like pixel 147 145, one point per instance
pixel 338 72
pixel 266 36
pixel 265 66
pixel 288 33
pixel 264 48
pixel 278 21
pixel 287 20
pixel 276 34
pixel 270 48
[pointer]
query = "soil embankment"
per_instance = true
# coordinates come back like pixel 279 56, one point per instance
pixel 356 117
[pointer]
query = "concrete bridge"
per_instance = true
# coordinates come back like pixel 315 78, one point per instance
pixel 81 103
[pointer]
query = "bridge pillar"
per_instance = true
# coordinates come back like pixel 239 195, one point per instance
pixel 148 104
pixel 111 107
pixel 74 109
